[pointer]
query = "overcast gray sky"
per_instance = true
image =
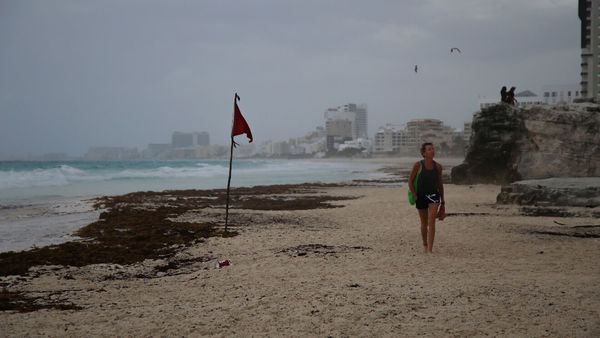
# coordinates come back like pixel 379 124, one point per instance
pixel 76 74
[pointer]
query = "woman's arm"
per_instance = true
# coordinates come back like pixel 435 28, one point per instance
pixel 441 184
pixel 442 211
pixel 411 178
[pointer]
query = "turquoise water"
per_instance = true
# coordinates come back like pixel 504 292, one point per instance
pixel 31 180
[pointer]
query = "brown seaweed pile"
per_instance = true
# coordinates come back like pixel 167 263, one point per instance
pixel 139 225
pixel 17 301
pixel 320 250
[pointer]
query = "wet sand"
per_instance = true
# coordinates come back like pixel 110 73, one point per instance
pixel 43 222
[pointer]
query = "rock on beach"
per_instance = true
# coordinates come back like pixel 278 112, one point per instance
pixel 560 191
pixel 509 144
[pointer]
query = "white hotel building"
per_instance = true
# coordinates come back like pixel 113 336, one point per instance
pixel 561 94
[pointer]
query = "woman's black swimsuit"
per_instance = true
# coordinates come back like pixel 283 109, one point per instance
pixel 428 187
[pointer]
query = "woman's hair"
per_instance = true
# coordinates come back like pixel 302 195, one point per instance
pixel 424 145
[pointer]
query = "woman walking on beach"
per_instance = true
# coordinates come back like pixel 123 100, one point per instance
pixel 429 194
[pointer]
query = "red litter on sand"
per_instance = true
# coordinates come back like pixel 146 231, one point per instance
pixel 221 264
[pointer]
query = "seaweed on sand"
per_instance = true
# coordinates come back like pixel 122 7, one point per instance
pixel 16 301
pixel 139 225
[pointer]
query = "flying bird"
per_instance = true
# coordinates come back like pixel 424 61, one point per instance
pixel 454 49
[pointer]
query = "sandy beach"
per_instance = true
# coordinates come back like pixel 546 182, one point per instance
pixel 355 269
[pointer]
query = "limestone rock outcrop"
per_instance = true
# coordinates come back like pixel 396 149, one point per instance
pixel 510 144
pixel 562 191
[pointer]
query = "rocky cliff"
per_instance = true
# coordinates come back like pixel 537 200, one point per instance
pixel 509 144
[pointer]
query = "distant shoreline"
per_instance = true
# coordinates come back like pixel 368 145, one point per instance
pixel 235 158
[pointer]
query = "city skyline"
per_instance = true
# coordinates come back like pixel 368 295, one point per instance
pixel 79 74
pixel 169 141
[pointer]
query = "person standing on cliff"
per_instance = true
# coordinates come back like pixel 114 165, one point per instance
pixel 510 96
pixel 503 94
pixel 429 194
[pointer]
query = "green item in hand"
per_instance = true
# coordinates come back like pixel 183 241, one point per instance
pixel 411 198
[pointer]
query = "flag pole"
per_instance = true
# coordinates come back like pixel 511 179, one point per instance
pixel 235 98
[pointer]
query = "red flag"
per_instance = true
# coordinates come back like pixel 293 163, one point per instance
pixel 240 126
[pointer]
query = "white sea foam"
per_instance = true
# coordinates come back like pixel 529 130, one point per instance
pixel 169 172
pixel 85 178
pixel 34 178
pixel 65 175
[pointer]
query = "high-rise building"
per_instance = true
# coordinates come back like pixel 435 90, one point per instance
pixel 589 12
pixel 467 131
pixel 396 138
pixel 428 130
pixel 184 140
pixel 361 121
pixel 337 131
pixel 391 138
pixel 356 114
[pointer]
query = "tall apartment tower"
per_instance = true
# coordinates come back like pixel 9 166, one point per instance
pixel 360 119
pixel 357 114
pixel 589 12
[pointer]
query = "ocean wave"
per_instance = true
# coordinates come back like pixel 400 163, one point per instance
pixel 65 175
pixel 33 178
pixel 170 172
pixel 104 177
